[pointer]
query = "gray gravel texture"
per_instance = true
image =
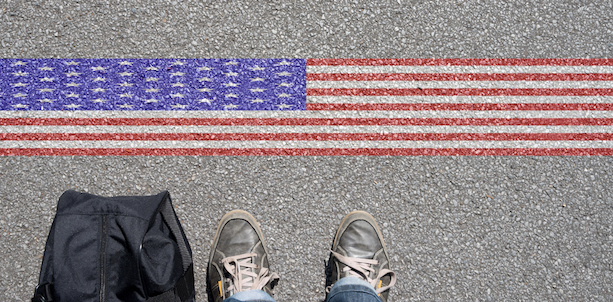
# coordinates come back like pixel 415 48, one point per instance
pixel 400 28
pixel 457 228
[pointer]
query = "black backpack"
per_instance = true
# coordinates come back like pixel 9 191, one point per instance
pixel 126 248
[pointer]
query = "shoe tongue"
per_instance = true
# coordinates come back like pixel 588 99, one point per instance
pixel 238 236
pixel 360 240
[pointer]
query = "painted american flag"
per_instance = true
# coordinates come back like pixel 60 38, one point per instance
pixel 306 106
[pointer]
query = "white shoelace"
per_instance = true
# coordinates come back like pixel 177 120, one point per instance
pixel 242 272
pixel 362 268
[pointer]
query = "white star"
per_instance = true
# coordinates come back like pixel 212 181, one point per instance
pixel 20 106
pixel 257 89
pixel 152 90
pixel 177 63
pixel 20 95
pixel 125 95
pixel 46 68
pixel 284 63
pixel 283 74
pixel 205 101
pixel 230 74
pixel 73 84
pixel 256 68
pixel 204 68
pixel 232 63
pixel 285 84
pixel 258 101
pixel 125 63
pixel 230 106
pixel 257 80
pixel 19 84
pixel 98 79
pixel 19 63
pixel 151 68
pixel 125 106
pixel 205 89
pixel 20 74
pixel 284 106
pixel 205 79
pixel 177 106
pixel 125 74
pixel 178 84
pixel 230 84
pixel 72 95
pixel 72 73
pixel 178 73
pixel 99 101
pixel 46 90
pixel 45 101
pixel 71 63
pixel 152 79
pixel 231 95
pixel 284 95
pixel 45 79
pixel 99 68
pixel 124 84
pixel 99 89
pixel 72 106
pixel 177 95
pixel 151 101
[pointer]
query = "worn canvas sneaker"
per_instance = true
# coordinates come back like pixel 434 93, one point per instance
pixel 358 250
pixel 238 259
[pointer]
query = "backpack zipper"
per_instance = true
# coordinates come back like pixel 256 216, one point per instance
pixel 103 235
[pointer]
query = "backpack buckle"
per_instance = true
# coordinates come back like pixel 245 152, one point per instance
pixel 43 293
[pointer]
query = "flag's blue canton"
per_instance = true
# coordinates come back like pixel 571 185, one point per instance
pixel 153 84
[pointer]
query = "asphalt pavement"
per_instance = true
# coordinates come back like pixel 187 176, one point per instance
pixel 457 228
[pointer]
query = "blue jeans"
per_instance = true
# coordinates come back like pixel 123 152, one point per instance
pixel 348 289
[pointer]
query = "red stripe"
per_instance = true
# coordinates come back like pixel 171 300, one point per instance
pixel 462 91
pixel 305 136
pixel 462 62
pixel 306 122
pixel 310 152
pixel 451 106
pixel 459 77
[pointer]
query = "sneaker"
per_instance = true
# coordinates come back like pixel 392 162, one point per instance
pixel 238 259
pixel 358 250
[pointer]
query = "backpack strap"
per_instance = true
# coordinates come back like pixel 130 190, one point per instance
pixel 171 219
pixel 184 288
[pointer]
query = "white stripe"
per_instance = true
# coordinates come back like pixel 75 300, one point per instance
pixel 306 129
pixel 459 69
pixel 456 99
pixel 460 84
pixel 307 114
pixel 306 144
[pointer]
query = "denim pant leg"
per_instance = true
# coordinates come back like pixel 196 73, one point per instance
pixel 255 295
pixel 352 289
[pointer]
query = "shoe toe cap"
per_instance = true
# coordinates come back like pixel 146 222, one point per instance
pixel 360 240
pixel 237 237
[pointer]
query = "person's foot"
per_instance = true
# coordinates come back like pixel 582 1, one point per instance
pixel 238 259
pixel 358 250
